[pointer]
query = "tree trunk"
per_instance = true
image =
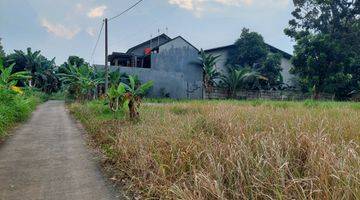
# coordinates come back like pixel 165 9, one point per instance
pixel 316 93
pixel 132 110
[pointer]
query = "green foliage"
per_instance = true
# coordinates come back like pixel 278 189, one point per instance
pixel 9 79
pixel 208 63
pixel 116 96
pixel 327 35
pixel 318 60
pixel 2 52
pixel 80 81
pixel 42 70
pixel 250 49
pixel 252 52
pixel 134 94
pixel 15 108
pixel 271 68
pixel 238 78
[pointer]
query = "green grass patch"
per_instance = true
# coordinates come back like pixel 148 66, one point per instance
pixel 15 108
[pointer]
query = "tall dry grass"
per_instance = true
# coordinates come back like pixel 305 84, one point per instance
pixel 224 150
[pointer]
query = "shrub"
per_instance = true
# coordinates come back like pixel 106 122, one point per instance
pixel 15 108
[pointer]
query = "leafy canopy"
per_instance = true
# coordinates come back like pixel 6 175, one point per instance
pixel 9 79
pixel 252 52
pixel 327 49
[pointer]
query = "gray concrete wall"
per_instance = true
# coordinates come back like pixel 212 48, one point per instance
pixel 172 70
pixel 222 60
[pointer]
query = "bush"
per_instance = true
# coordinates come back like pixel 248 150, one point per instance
pixel 15 108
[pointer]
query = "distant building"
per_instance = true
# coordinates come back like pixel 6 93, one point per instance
pixel 168 62
pixel 224 52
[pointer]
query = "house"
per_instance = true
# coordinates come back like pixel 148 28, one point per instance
pixel 169 62
pixel 224 51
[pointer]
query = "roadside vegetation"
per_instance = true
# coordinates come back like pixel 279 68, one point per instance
pixel 26 79
pixel 16 103
pixel 231 149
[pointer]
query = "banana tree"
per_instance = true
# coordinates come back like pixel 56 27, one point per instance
pixel 134 94
pixel 9 79
pixel 116 96
pixel 208 62
pixel 81 80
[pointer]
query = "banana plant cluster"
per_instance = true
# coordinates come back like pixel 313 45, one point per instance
pixel 9 79
pixel 128 94
pixel 81 80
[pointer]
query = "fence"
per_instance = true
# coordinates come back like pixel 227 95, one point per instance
pixel 219 93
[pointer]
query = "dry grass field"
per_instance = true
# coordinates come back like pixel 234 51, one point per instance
pixel 231 149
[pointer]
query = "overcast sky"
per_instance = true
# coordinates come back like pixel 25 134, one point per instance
pixel 60 28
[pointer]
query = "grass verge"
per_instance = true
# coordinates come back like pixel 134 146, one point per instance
pixel 231 149
pixel 16 108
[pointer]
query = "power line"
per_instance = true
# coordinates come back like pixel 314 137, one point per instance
pixel 131 7
pixel 97 41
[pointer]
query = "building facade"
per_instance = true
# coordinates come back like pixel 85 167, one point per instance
pixel 168 62
pixel 224 52
pixel 171 64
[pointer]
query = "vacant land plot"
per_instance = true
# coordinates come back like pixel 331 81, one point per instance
pixel 232 149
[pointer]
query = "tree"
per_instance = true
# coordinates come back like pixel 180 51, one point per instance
pixel 252 52
pixel 31 60
pixel 45 77
pixel 240 78
pixel 2 52
pixel 134 94
pixel 8 79
pixel 210 74
pixel 42 70
pixel 76 61
pixel 80 81
pixel 115 95
pixel 318 62
pixel 337 23
pixel 271 69
pixel 73 61
pixel 250 49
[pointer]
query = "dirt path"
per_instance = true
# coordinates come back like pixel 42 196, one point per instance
pixel 47 158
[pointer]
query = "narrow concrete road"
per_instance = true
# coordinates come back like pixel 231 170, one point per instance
pixel 47 158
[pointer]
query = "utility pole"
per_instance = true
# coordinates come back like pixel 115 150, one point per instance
pixel 106 56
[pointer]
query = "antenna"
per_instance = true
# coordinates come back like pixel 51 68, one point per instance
pixel 158 36
pixel 166 30
pixel 150 40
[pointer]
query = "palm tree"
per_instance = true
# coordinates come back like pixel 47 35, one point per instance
pixel 208 62
pixel 239 77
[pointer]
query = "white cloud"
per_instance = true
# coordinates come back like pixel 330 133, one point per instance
pixel 97 11
pixel 60 30
pixel 79 7
pixel 198 6
pixel 91 31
